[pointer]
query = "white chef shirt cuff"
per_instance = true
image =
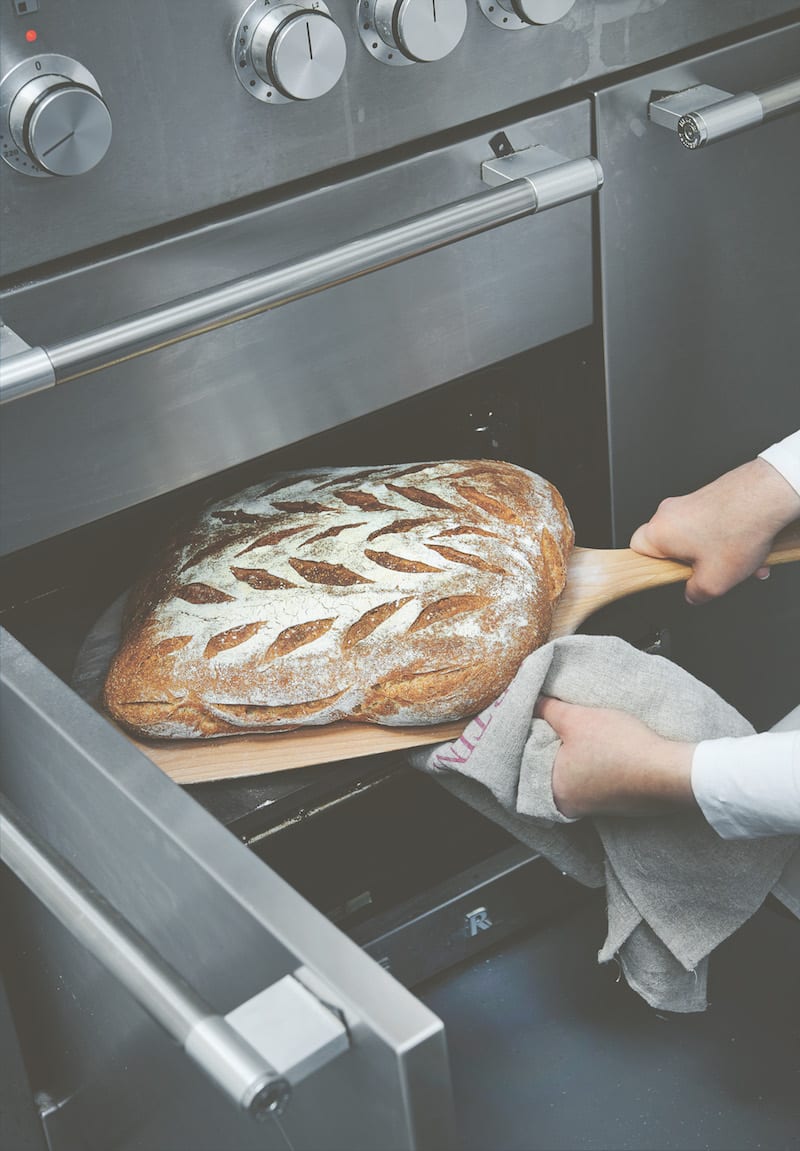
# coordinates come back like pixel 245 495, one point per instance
pixel 785 458
pixel 750 786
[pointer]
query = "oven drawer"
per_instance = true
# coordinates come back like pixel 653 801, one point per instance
pixel 147 425
pixel 214 923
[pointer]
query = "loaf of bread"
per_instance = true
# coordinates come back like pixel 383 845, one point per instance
pixel 395 595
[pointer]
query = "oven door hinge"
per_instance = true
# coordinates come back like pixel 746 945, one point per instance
pixel 289 1024
pixel 255 1054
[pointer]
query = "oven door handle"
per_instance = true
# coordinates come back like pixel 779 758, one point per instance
pixel 703 114
pixel 34 369
pixel 254 1054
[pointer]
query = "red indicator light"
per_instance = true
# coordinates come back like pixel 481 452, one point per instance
pixel 31 35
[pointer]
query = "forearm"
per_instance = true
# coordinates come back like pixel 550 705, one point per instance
pixel 611 764
pixel 655 777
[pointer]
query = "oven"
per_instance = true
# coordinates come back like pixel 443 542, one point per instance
pixel 243 238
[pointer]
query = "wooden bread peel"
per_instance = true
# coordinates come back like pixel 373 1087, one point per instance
pixel 595 578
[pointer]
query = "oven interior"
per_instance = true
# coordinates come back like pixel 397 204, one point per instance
pixel 543 409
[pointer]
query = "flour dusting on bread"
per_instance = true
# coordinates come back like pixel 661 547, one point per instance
pixel 400 595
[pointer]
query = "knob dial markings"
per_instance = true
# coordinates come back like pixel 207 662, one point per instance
pixel 56 122
pixel 288 51
pixel 401 32
pixel 512 15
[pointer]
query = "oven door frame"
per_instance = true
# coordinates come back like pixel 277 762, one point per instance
pixel 220 918
pixel 698 263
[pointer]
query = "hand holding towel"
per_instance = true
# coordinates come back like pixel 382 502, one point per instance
pixel 675 890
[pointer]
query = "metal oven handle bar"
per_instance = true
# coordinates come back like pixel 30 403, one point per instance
pixel 224 1047
pixel 703 114
pixel 37 368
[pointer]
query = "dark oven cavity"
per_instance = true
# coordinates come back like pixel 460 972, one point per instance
pixel 543 410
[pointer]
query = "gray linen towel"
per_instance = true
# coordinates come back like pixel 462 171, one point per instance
pixel 674 889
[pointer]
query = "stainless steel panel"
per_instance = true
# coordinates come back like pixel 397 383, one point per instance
pixel 187 136
pixel 20 1128
pixel 145 427
pixel 701 291
pixel 217 915
pixel 701 294
pixel 238 1067
pixel 553 182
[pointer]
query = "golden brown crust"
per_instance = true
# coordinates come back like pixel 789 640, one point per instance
pixel 261 579
pixel 370 620
pixel 428 626
pixel 472 561
pixel 400 527
pixel 446 608
pixel 223 640
pixel 398 563
pixel 297 635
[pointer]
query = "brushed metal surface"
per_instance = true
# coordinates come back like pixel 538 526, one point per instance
pixel 243 298
pixel 147 426
pixel 534 190
pixel 188 137
pixel 780 98
pixel 701 294
pixel 700 284
pixel 245 1075
pixel 214 912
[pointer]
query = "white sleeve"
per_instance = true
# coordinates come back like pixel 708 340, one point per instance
pixel 785 458
pixel 750 786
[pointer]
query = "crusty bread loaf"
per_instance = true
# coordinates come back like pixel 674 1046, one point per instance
pixel 397 595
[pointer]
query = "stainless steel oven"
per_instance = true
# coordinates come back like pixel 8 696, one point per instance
pixel 238 238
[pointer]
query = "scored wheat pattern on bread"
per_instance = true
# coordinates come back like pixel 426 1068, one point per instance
pixel 401 595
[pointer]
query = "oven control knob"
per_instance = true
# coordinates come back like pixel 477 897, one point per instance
pixel 56 118
pixel 289 51
pixel 411 31
pixel 541 11
pixel 514 14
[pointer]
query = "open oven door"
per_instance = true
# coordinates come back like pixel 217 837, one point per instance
pixel 193 928
pixel 700 252
pixel 273 1029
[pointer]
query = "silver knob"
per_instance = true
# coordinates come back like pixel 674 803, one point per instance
pixel 58 123
pixel 300 51
pixel 64 127
pixel 421 30
pixel 515 14
pixel 541 11
pixel 292 52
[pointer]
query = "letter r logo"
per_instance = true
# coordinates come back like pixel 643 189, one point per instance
pixel 477 920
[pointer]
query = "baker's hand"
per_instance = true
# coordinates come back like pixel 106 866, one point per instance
pixel 610 763
pixel 724 530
